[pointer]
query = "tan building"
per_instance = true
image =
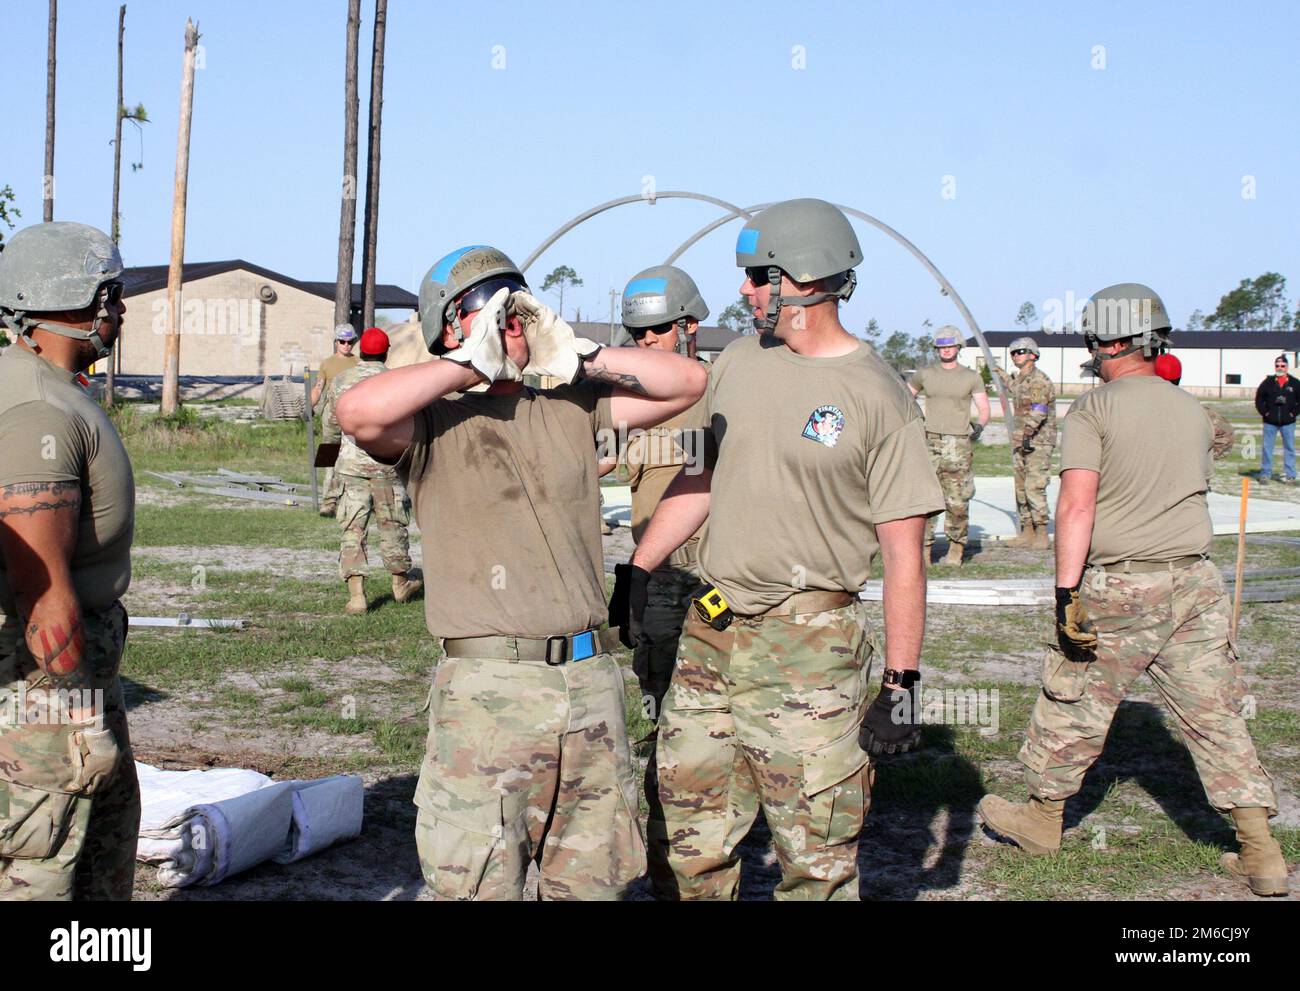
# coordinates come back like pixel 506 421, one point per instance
pixel 237 319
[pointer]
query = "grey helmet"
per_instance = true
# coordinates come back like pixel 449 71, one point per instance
pixel 56 267
pixel 948 336
pixel 1026 344
pixel 1123 311
pixel 808 240
pixel 346 333
pixel 662 295
pixel 452 276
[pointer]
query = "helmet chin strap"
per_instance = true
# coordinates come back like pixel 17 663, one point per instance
pixel 24 326
pixel 775 301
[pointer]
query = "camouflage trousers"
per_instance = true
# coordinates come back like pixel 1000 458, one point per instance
pixel 657 637
pixel 528 762
pixel 766 714
pixel 59 844
pixel 953 458
pixel 1174 626
pixel 333 483
pixel 1033 472
pixel 385 498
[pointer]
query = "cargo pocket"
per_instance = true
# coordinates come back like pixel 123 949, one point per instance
pixel 1063 680
pixel 1232 687
pixel 33 821
pixel 837 788
pixel 456 844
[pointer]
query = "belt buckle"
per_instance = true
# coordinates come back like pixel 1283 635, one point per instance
pixel 564 650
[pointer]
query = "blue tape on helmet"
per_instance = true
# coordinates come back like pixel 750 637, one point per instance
pixel 638 286
pixel 443 268
pixel 747 242
pixel 946 342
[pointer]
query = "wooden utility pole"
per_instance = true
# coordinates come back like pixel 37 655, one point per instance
pixel 371 235
pixel 110 384
pixel 48 184
pixel 348 212
pixel 172 343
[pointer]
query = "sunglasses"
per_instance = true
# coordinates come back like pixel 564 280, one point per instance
pixel 478 297
pixel 1020 351
pixel 757 275
pixel 112 292
pixel 640 332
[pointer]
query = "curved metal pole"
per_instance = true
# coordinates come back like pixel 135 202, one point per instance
pixel 939 277
pixel 735 211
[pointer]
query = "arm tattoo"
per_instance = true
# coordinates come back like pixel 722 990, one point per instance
pixel 36 488
pixel 60 651
pixel 620 379
pixel 40 507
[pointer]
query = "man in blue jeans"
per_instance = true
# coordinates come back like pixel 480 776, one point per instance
pixel 1278 401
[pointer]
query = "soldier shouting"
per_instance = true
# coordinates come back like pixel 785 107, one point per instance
pixel 528 756
pixel 1136 592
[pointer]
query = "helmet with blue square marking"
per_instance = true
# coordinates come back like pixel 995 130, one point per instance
pixel 454 275
pixel 661 295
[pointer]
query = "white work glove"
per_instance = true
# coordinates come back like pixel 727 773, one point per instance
pixel 552 347
pixel 484 349
pixel 94 753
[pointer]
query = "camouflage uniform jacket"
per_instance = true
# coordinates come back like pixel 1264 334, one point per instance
pixel 1034 401
pixel 352 460
pixel 1224 435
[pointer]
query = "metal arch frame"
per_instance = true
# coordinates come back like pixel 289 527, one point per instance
pixel 734 211
pixel 920 256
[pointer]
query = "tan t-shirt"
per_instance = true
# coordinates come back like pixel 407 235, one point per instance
pixel 948 394
pixel 654 458
pixel 333 365
pixel 504 489
pixel 809 455
pixel 52 431
pixel 352 460
pixel 1151 446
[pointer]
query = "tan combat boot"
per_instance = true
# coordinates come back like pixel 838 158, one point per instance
pixel 1039 540
pixel 1034 826
pixel 356 596
pixel 1260 862
pixel 404 588
pixel 1024 534
pixel 955 553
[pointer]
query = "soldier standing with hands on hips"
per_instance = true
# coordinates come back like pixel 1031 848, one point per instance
pixel 814 460
pixel 528 756
pixel 1136 591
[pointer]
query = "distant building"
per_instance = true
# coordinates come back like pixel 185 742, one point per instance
pixel 237 319
pixel 1228 365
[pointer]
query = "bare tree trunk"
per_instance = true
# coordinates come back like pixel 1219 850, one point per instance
pixel 110 383
pixel 371 236
pixel 348 213
pixel 48 185
pixel 172 343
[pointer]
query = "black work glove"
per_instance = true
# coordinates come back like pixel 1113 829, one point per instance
pixel 975 430
pixel 1073 631
pixel 892 724
pixel 628 600
pixel 1026 447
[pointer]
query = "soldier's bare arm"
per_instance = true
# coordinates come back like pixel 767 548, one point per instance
pixel 904 590
pixel 682 511
pixel 982 407
pixel 378 412
pixel 1076 509
pixel 649 386
pixel 38 533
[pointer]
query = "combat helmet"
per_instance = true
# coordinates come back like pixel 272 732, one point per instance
pixel 1026 344
pixel 662 295
pixel 452 276
pixel 807 239
pixel 54 267
pixel 948 336
pixel 1127 310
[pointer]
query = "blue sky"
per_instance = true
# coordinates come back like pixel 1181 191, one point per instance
pixel 1067 177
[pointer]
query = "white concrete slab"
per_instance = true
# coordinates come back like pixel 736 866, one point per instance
pixel 993 510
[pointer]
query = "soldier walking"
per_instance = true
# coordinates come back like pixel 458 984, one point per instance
pixel 367 486
pixel 345 338
pixel 949 389
pixel 69 798
pixel 1136 592
pixel 662 310
pixel 815 460
pixel 528 756
pixel 1033 399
